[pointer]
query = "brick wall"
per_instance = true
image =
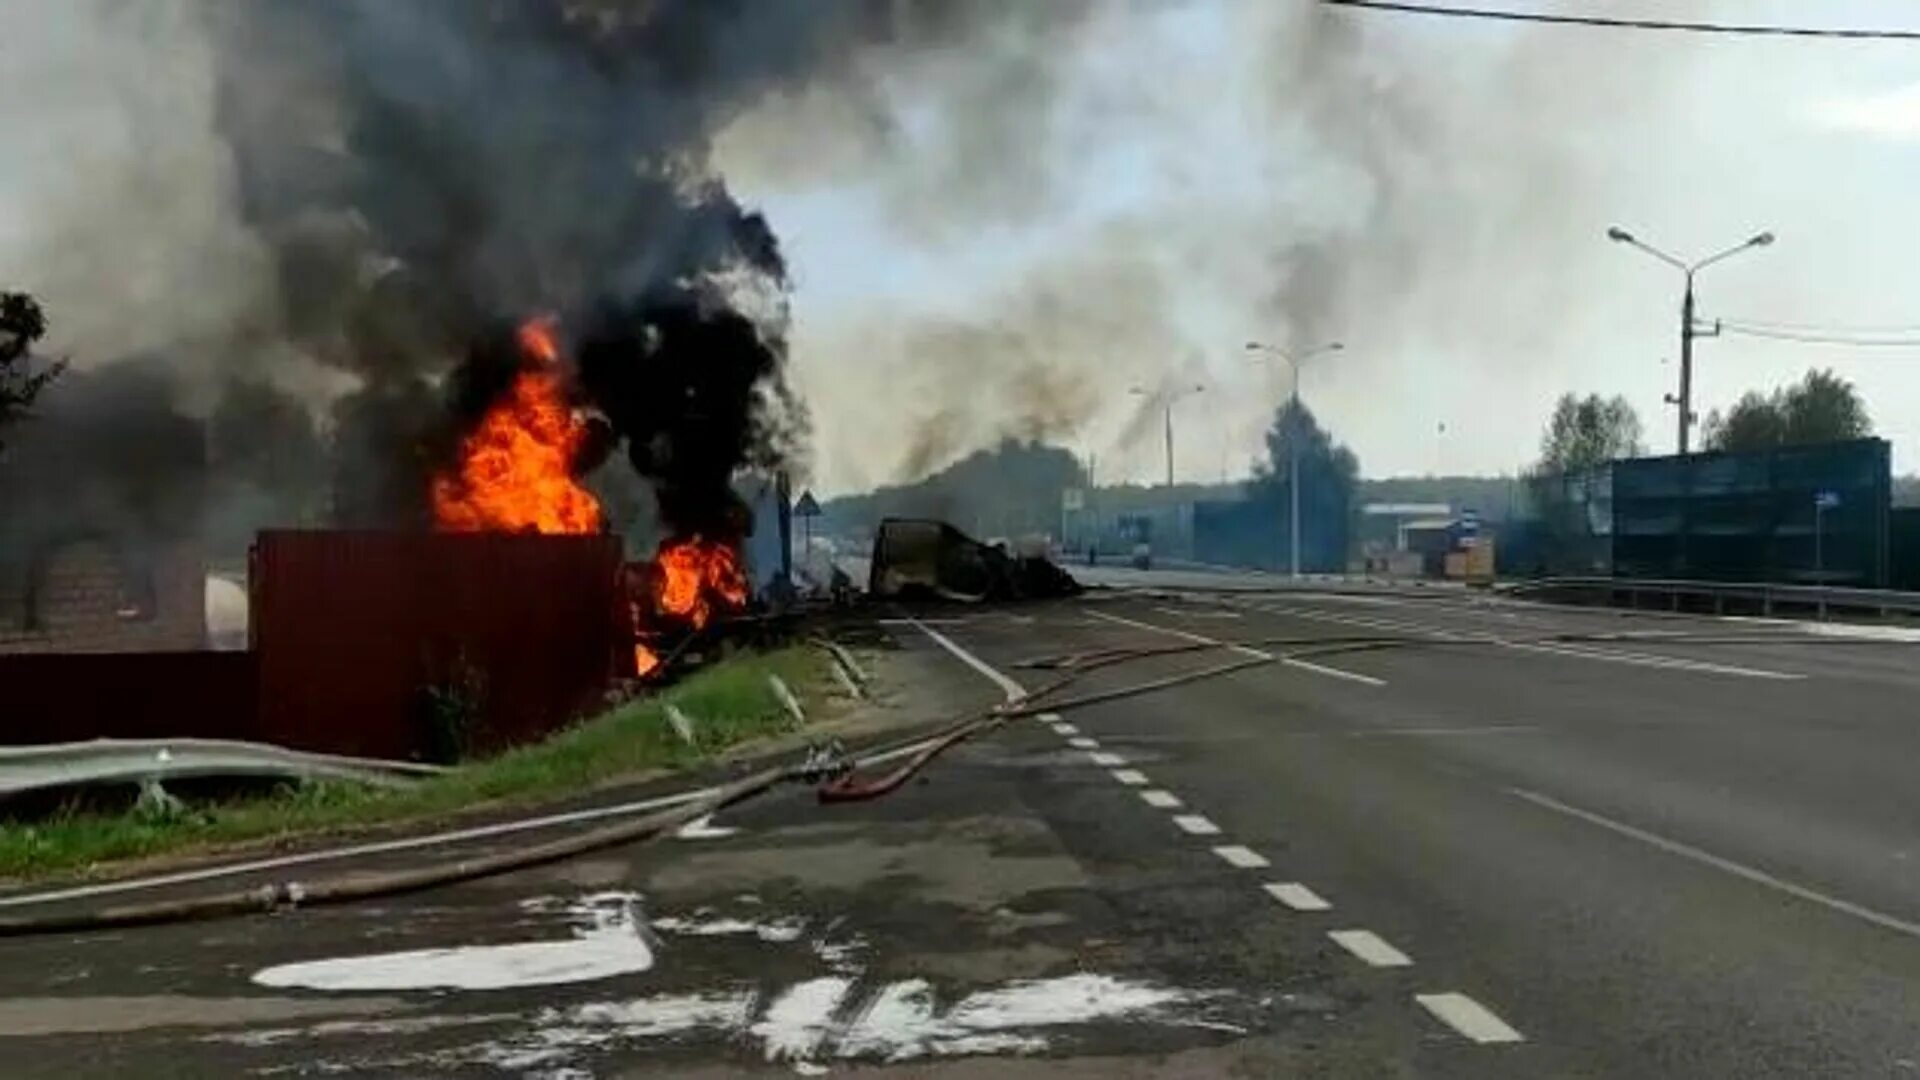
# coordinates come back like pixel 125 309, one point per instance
pixel 91 600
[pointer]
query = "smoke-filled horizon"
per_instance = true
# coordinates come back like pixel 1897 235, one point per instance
pixel 949 223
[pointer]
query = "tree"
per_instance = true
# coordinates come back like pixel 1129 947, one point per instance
pixel 1822 407
pixel 1329 474
pixel 21 324
pixel 1582 435
pixel 1589 431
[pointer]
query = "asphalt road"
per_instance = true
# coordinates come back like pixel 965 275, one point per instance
pixel 1696 853
pixel 1417 835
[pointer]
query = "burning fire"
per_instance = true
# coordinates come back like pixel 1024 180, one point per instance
pixel 690 580
pixel 516 468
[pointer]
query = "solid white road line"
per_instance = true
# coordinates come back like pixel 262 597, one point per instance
pixel 1583 652
pixel 1297 896
pixel 1081 742
pixel 1197 825
pixel 1648 660
pixel 1740 870
pixel 1106 760
pixel 1130 777
pixel 1469 1018
pixel 1013 690
pixel 1243 650
pixel 1161 800
pixel 1370 947
pixel 1245 858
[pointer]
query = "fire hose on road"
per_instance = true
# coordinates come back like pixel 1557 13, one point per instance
pixel 836 777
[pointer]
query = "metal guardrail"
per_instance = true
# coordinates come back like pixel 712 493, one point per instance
pixel 1765 597
pixel 31 768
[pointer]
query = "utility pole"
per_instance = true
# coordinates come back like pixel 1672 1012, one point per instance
pixel 1685 400
pixel 1293 442
pixel 1689 328
pixel 1169 442
pixel 1168 401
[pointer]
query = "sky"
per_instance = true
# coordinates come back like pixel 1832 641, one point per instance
pixel 1456 194
pixel 1009 231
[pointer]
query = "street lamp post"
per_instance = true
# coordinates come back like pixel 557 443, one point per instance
pixel 1293 440
pixel 1688 330
pixel 1168 399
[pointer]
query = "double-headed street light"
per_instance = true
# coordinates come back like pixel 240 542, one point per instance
pixel 1687 328
pixel 1294 360
pixel 1167 398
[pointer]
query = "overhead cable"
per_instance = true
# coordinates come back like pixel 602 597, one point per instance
pixel 1617 23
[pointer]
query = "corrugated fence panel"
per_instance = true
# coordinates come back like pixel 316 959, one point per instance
pixel 68 697
pixel 355 632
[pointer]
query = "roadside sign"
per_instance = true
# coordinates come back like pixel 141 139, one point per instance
pixel 1469 522
pixel 1073 500
pixel 807 506
pixel 1826 500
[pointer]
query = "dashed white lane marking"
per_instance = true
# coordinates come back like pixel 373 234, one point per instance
pixel 1370 947
pixel 1107 760
pixel 1469 1018
pixel 1081 742
pixel 1162 800
pixel 1065 729
pixel 1243 857
pixel 1197 825
pixel 1047 717
pixel 1740 870
pixel 1130 777
pixel 1297 896
pixel 1013 690
pixel 1243 650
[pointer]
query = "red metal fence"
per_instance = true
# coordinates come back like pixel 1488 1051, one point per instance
pixel 357 633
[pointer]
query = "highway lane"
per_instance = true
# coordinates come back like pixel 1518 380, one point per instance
pixel 1649 859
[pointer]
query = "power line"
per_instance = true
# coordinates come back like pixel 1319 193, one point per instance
pixel 1750 29
pixel 1889 330
pixel 1819 339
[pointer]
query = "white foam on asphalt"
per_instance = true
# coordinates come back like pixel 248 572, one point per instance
pixel 1197 825
pixel 1243 857
pixel 1161 800
pixel 1297 896
pixel 800 1025
pixel 777 930
pixel 799 1018
pixel 1469 1018
pixel 1370 947
pixel 1130 777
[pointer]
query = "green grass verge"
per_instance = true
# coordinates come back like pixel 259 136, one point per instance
pixel 730 701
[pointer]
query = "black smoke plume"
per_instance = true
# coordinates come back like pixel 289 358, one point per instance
pixel 429 173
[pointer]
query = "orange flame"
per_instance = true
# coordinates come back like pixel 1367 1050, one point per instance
pixel 695 572
pixel 687 582
pixel 516 467
pixel 645 660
